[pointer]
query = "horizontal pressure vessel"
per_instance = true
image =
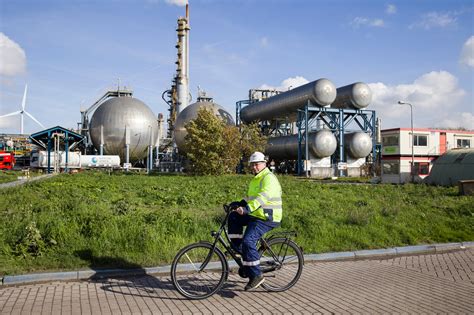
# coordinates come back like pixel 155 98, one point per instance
pixel 40 159
pixel 73 160
pixel 321 92
pixel 100 161
pixel 358 144
pixel 356 96
pixel 321 143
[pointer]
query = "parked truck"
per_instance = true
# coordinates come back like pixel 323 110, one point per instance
pixel 7 160
pixel 76 160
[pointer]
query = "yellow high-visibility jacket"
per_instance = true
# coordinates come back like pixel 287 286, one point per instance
pixel 264 197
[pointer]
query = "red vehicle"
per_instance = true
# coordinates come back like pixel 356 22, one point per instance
pixel 7 160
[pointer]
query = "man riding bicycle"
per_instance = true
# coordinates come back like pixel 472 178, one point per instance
pixel 260 212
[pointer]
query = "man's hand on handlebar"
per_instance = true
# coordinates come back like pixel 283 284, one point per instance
pixel 240 210
pixel 237 207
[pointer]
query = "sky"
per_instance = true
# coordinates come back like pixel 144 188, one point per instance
pixel 70 52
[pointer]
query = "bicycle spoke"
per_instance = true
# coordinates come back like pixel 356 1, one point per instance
pixel 194 266
pixel 198 270
pixel 282 263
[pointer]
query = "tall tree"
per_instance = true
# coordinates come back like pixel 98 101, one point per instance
pixel 251 140
pixel 214 148
pixel 211 146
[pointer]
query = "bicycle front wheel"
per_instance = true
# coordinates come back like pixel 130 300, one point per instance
pixel 198 271
pixel 282 263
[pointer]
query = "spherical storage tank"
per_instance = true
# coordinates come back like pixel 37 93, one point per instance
pixel 118 114
pixel 190 113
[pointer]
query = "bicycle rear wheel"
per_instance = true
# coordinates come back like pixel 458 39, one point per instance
pixel 198 271
pixel 282 263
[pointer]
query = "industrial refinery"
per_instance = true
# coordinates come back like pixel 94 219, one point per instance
pixel 327 131
pixel 314 129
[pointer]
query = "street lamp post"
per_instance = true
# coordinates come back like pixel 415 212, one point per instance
pixel 412 141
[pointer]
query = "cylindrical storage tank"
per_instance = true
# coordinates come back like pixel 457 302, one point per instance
pixel 118 114
pixel 356 96
pixel 100 161
pixel 321 144
pixel 321 92
pixel 41 159
pixel 358 144
pixel 74 159
pixel 190 113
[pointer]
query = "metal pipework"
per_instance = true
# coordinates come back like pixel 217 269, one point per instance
pixel 378 129
pixel 321 92
pixel 358 144
pixel 321 144
pixel 356 96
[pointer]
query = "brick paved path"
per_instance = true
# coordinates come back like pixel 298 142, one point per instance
pixel 441 283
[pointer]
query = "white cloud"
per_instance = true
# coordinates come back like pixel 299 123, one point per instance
pixel 235 58
pixel 180 3
pixel 434 19
pixel 286 84
pixel 363 21
pixel 433 95
pixel 467 53
pixel 391 9
pixel 12 56
pixel 212 48
pixel 263 42
pixel 457 120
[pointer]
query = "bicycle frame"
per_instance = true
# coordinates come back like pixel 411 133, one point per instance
pixel 226 244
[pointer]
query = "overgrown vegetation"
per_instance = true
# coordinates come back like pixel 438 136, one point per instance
pixel 215 148
pixel 93 219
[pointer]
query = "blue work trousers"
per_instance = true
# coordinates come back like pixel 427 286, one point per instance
pixel 247 241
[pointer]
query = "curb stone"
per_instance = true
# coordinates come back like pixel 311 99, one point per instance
pixel 336 256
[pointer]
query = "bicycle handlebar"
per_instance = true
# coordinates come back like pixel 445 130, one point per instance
pixel 228 208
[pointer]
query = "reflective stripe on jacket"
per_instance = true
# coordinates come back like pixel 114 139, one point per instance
pixel 264 197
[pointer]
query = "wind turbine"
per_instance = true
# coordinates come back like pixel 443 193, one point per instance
pixel 23 111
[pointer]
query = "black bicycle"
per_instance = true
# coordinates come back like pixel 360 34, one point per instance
pixel 199 270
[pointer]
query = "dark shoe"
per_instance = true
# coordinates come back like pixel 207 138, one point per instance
pixel 243 273
pixel 254 283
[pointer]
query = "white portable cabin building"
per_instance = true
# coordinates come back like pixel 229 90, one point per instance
pixel 427 145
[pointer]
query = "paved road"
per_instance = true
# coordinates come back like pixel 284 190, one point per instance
pixel 437 283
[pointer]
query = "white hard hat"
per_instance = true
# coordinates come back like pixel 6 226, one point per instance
pixel 257 157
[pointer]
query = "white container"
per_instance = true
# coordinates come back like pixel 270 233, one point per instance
pixel 100 161
pixel 74 160
pixel 40 159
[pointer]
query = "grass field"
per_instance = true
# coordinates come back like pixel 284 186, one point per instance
pixel 7 176
pixel 93 219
